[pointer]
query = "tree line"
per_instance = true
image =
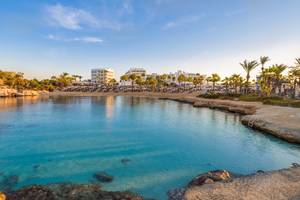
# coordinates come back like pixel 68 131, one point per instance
pixel 17 81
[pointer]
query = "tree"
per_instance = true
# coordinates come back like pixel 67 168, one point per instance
pixel 226 83
pixel 276 72
pixel 181 78
pixel 248 67
pixel 214 78
pixel 294 76
pixel 198 80
pixel 152 82
pixel 124 78
pixel 263 61
pixel 112 82
pixel 132 77
pixel 236 81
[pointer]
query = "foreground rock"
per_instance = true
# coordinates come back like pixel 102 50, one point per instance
pixel 8 92
pixel 69 192
pixel 275 185
pixel 211 177
pixel 281 122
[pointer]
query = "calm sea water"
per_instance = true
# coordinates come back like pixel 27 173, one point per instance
pixel 68 139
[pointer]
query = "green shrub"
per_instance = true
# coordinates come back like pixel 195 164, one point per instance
pixel 209 96
pixel 282 102
pixel 250 97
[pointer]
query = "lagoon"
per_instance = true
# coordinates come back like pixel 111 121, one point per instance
pixel 165 143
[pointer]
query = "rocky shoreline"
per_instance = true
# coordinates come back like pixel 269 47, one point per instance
pixel 279 184
pixel 8 92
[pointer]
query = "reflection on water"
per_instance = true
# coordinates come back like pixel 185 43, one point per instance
pixel 68 139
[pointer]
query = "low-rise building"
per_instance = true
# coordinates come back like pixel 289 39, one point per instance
pixel 102 75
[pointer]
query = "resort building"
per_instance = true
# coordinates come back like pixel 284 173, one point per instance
pixel 141 72
pixel 173 77
pixel 102 76
pixel 137 71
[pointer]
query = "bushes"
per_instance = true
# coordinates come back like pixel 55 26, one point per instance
pixel 282 102
pixel 210 95
pixel 278 101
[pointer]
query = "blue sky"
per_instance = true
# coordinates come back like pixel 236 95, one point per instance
pixel 42 38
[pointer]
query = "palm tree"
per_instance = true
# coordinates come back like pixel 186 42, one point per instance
pixel 214 78
pixel 263 61
pixel 133 78
pixel 112 82
pixel 226 83
pixel 294 75
pixel 181 78
pixel 198 81
pixel 276 71
pixel 236 81
pixel 248 67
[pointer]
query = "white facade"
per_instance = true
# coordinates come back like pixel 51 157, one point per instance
pixel 102 76
pixel 173 77
pixel 137 71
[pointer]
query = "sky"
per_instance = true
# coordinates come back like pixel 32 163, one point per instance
pixel 45 38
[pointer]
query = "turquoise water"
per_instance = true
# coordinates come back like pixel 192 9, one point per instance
pixel 68 139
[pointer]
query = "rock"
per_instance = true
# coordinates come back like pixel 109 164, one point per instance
pixel 211 177
pixel 32 193
pixel 30 93
pixel 103 177
pixel 295 165
pixel 279 184
pixel 260 171
pixel 125 161
pixel 176 194
pixel 69 192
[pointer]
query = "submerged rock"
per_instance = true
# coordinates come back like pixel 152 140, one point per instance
pixel 9 182
pixel 125 161
pixel 211 177
pixel 176 194
pixel 103 177
pixel 69 192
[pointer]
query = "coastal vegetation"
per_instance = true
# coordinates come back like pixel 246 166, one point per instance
pixel 17 81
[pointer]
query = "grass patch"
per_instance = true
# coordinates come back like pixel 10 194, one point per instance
pixel 278 101
pixel 283 102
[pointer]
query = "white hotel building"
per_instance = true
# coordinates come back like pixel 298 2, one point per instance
pixel 102 75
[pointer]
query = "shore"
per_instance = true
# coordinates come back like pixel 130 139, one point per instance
pixel 281 122
pixel 279 184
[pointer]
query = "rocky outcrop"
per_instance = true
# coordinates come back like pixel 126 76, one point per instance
pixel 69 192
pixel 275 129
pixel 8 92
pixel 280 185
pixel 211 177
pixel 215 104
pixel 202 179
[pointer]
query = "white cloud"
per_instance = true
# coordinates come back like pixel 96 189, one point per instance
pixel 182 21
pixel 74 19
pixel 127 7
pixel 87 39
pixel 69 18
